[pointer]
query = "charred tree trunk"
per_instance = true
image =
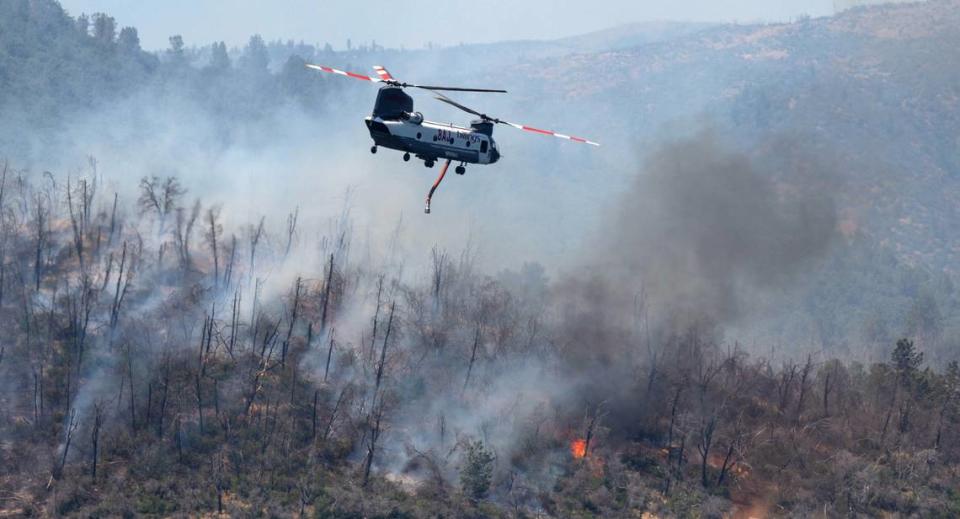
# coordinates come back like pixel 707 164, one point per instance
pixel 591 427
pixel 148 414
pixel 376 319
pixel 234 321
pixel 77 226
pixel 95 440
pixel 940 419
pixel 707 429
pixel 269 341
pixel 163 398
pixel 726 464
pixel 784 386
pixel 179 439
pixel 439 262
pixel 473 357
pixel 40 220
pixel 383 356
pixel 255 235
pixel 326 295
pixel 228 268
pixel 291 230
pixel 804 375
pixel 133 400
pixel 113 220
pixel 199 389
pixel 826 393
pixel 213 235
pixel 333 415
pixel 37 395
pixel 674 406
pixel 372 443
pixel 293 322
pixel 680 455
pixel 313 417
pixel 68 439
pixel 326 371
pixel 120 290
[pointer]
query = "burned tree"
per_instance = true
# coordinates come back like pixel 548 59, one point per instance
pixel 160 196
pixel 213 232
pixel 95 440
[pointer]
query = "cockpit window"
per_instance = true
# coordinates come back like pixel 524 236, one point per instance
pixel 483 146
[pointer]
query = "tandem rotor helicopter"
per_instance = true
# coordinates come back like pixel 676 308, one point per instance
pixel 395 125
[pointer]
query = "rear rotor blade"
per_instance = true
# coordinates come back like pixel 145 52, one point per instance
pixel 548 132
pixel 445 99
pixel 485 117
pixel 386 77
pixel 382 73
pixel 343 73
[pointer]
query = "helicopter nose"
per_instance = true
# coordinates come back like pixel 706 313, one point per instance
pixel 494 155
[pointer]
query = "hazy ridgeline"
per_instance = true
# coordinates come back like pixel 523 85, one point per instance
pixel 231 306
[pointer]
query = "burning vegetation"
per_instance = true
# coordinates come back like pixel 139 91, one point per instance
pixel 215 366
pixel 578 448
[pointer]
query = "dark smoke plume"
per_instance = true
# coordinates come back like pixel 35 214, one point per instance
pixel 704 226
pixel 702 230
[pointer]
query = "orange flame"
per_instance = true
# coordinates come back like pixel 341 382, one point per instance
pixel 578 448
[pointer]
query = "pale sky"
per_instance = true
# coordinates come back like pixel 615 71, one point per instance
pixel 412 23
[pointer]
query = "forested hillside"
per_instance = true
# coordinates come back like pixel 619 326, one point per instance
pixel 55 69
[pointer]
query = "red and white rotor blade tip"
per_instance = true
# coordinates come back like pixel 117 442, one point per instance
pixel 344 73
pixel 555 134
pixel 382 73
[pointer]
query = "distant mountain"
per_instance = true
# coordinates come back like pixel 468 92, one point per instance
pixel 616 38
pixel 631 35
pixel 877 89
pixel 843 5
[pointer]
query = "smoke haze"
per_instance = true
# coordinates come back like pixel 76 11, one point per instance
pixel 289 317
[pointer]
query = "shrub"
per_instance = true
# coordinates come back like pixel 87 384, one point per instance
pixel 477 471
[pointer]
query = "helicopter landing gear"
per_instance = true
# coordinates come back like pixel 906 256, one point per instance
pixel 406 157
pixel 373 149
pixel 461 169
pixel 436 184
pixel 428 163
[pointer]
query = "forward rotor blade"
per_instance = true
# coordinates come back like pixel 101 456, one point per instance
pixel 548 132
pixel 343 73
pixel 457 89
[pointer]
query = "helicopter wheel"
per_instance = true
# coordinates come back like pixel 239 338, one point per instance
pixel 406 157
pixel 373 149
pixel 428 163
pixel 461 170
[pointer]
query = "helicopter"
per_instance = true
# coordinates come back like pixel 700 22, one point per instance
pixel 395 125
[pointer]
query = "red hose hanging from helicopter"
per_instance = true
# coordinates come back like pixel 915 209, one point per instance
pixel 443 173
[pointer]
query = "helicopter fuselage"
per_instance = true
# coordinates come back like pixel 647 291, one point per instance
pixel 395 125
pixel 431 141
